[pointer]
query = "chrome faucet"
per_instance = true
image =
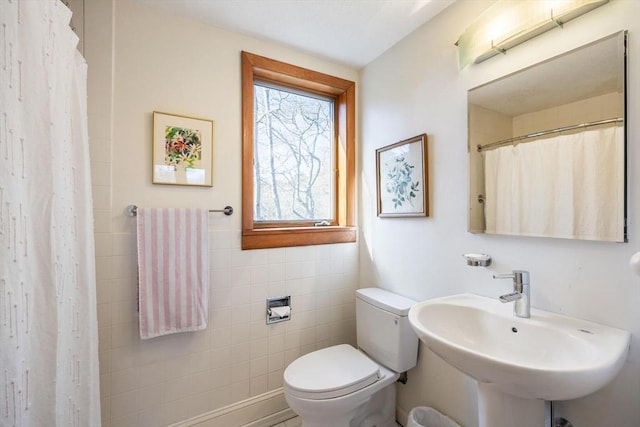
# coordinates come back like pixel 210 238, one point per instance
pixel 520 294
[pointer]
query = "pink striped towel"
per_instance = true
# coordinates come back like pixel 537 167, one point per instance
pixel 173 270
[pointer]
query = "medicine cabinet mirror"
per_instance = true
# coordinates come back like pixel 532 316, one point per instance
pixel 547 147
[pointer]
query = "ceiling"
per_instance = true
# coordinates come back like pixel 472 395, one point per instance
pixel 352 32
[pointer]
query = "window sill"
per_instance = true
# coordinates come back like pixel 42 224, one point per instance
pixel 301 236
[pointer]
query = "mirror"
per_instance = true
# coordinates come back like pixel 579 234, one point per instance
pixel 547 147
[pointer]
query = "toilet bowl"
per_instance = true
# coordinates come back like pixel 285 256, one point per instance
pixel 331 387
pixel 342 386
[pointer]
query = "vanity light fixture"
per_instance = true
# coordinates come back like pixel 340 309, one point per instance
pixel 510 22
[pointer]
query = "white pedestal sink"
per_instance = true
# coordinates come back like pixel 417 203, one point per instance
pixel 519 362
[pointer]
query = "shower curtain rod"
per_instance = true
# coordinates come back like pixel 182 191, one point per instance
pixel 545 132
pixel 132 210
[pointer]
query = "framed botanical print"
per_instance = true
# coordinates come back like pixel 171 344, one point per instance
pixel 402 178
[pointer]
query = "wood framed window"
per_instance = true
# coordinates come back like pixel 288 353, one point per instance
pixel 298 156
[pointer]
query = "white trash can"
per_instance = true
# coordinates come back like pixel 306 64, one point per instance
pixel 424 416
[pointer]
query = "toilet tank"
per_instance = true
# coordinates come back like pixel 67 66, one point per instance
pixel 383 329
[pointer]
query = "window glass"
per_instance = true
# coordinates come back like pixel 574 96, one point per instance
pixel 294 155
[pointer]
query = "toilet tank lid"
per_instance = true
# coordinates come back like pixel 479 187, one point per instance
pixel 386 300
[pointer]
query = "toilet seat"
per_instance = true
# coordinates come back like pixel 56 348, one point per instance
pixel 330 372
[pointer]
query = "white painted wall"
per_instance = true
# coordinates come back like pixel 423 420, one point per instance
pixel 416 87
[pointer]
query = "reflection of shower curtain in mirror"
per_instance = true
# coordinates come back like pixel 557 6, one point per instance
pixel 48 329
pixel 568 186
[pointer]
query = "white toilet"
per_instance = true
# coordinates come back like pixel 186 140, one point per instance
pixel 340 386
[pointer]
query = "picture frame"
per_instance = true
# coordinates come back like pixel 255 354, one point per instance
pixel 182 150
pixel 402 178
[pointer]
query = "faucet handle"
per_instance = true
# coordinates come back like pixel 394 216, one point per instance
pixel 504 276
pixel 518 276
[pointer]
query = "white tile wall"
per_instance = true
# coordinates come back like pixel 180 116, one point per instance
pixel 171 378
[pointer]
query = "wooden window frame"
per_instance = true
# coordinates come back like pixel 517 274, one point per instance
pixel 275 235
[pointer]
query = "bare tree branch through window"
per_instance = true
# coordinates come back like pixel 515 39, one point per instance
pixel 293 155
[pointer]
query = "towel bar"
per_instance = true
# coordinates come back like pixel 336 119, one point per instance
pixel 132 210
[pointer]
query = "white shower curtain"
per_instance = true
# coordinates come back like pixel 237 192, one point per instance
pixel 566 186
pixel 48 328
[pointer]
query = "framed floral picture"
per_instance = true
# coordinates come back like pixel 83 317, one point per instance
pixel 182 150
pixel 402 178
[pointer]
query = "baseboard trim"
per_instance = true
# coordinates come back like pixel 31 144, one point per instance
pixel 273 419
pixel 264 410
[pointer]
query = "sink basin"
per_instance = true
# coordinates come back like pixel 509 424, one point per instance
pixel 548 356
